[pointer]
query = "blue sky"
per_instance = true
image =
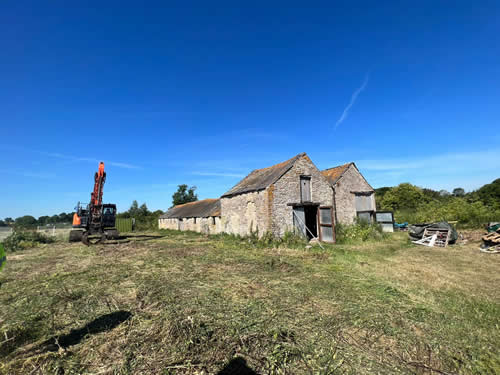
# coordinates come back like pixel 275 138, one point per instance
pixel 201 93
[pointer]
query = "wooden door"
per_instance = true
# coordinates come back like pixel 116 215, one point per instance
pixel 299 219
pixel 326 224
pixel 305 188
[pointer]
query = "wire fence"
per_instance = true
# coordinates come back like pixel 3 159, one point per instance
pixel 49 230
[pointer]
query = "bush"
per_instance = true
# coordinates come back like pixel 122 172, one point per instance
pixel 360 231
pixel 468 214
pixel 25 239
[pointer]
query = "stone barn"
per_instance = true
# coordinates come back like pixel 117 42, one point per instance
pixel 353 195
pixel 200 216
pixel 292 195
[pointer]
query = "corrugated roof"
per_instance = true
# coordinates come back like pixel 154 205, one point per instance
pixel 204 208
pixel 333 174
pixel 260 179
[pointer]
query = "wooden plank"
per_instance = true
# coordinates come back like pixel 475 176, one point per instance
pixel 442 236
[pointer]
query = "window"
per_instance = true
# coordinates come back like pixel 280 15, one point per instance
pixel 109 211
pixel 364 206
pixel 386 220
pixel 326 224
pixel 305 188
pixel 213 220
pixel 365 216
pixel 194 220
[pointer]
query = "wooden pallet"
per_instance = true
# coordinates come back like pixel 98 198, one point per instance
pixel 492 237
pixel 442 236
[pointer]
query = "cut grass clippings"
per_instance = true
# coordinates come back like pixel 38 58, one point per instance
pixel 185 303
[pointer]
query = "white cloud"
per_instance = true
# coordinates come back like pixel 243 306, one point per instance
pixel 354 96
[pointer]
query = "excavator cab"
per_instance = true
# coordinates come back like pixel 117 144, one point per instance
pixel 108 215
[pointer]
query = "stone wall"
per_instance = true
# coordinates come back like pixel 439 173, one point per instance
pixel 168 224
pixel 287 190
pixel 351 181
pixel 241 214
pixel 208 225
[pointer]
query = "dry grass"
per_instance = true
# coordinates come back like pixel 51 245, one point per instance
pixel 191 304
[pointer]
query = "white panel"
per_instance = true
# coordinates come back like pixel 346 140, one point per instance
pixel 387 227
pixel 383 216
pixel 326 215
pixel 299 219
pixel 364 203
pixel 327 234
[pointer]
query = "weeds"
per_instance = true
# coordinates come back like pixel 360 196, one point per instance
pixel 360 231
pixel 25 239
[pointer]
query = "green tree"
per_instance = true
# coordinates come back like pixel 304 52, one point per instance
pixel 489 194
pixel 134 209
pixel 43 220
pixel 143 210
pixel 8 220
pixel 379 195
pixel 2 223
pixel 444 193
pixel 405 196
pixel 26 221
pixel 458 192
pixel 184 195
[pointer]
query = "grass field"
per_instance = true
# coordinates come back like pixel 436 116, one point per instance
pixel 185 303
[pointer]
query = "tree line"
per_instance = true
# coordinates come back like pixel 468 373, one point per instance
pixel 145 219
pixel 30 221
pixel 416 205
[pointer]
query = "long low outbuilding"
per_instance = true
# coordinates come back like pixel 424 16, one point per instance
pixel 290 196
pixel 201 216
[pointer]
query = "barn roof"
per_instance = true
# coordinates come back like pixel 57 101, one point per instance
pixel 334 174
pixel 260 179
pixel 204 208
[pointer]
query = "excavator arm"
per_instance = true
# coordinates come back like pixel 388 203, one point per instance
pixel 96 195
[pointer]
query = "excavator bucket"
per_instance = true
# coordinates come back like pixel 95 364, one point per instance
pixel 101 169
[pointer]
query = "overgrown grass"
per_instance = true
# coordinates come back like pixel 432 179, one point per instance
pixel 360 231
pixel 25 239
pixel 188 303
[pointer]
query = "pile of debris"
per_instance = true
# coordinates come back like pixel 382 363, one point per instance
pixel 491 240
pixel 433 234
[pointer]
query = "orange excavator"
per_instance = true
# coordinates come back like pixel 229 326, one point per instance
pixel 94 222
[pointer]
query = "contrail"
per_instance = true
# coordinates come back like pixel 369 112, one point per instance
pixel 354 96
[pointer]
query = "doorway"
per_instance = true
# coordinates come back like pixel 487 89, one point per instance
pixel 310 213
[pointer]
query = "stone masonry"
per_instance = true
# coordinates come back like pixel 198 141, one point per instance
pixel 287 190
pixel 351 182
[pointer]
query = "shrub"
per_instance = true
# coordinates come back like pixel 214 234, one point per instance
pixel 293 240
pixel 468 214
pixel 360 231
pixel 25 239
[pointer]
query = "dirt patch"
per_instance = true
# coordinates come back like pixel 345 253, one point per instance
pixel 470 235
